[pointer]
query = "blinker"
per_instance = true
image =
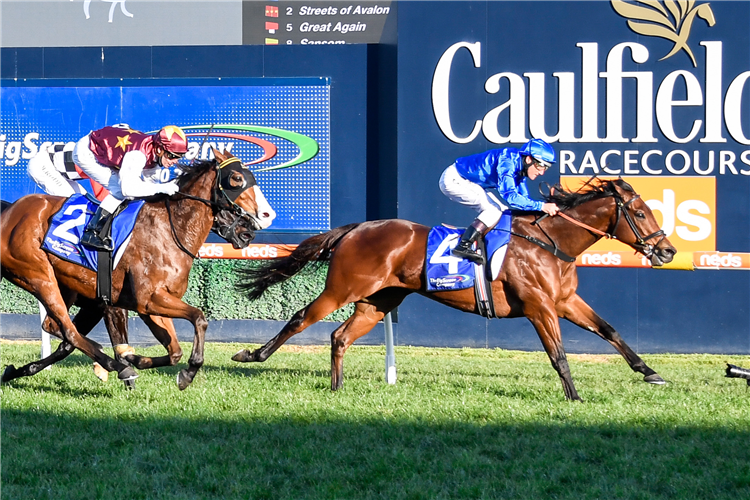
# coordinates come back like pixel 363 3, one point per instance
pixel 226 168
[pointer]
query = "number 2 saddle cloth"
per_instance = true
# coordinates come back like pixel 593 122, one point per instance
pixel 67 225
pixel 445 271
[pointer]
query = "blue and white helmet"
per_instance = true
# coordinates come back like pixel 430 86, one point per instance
pixel 540 151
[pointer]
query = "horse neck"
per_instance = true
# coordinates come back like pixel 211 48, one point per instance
pixel 574 239
pixel 193 219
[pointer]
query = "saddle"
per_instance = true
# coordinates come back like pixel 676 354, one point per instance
pixel 444 271
pixel 67 226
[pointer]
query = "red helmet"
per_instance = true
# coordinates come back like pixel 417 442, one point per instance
pixel 172 139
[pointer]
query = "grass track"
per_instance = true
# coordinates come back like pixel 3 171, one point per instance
pixel 460 423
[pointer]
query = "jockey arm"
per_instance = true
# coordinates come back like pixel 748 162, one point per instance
pixel 131 182
pixel 516 195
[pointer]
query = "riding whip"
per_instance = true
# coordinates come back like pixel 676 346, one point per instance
pixel 203 141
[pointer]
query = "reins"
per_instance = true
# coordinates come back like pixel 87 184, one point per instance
pixel 585 226
pixel 174 231
pixel 621 205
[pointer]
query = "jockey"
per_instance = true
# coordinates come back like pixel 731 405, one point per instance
pixel 127 163
pixel 506 170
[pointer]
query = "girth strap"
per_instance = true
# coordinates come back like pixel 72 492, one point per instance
pixel 483 286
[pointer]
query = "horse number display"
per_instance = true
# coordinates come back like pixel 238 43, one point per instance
pixel 63 230
pixel 442 254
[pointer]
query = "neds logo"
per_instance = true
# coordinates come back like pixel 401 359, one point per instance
pixel 607 259
pixel 727 260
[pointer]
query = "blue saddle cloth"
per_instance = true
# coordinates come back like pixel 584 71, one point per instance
pixel 66 228
pixel 445 271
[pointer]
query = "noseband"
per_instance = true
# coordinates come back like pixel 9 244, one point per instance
pixel 640 241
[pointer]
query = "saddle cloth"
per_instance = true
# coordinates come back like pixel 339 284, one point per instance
pixel 445 271
pixel 67 225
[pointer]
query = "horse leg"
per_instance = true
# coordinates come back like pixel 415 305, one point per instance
pixel 366 316
pixel 116 321
pixel 547 326
pixel 163 330
pixel 62 352
pixel 84 321
pixel 162 303
pixel 50 296
pixel 318 309
pixel 578 312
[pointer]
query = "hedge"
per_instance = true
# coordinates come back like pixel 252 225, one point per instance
pixel 211 289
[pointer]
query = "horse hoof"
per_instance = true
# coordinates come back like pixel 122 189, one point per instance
pixel 243 356
pixel 100 372
pixel 183 380
pixel 127 374
pixel 8 373
pixel 129 384
pixel 654 379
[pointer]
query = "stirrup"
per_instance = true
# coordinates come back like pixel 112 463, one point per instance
pixel 92 240
pixel 468 254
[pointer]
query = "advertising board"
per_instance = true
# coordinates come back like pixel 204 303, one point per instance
pixel 279 128
pixel 654 92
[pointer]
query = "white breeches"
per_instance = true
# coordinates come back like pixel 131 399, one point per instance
pixel 106 176
pixel 51 180
pixel 467 193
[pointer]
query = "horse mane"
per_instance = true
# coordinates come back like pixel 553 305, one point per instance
pixel 599 188
pixel 194 171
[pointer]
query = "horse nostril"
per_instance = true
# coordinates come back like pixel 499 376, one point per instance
pixel 668 252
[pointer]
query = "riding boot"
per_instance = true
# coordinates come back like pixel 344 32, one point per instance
pixel 472 234
pixel 92 235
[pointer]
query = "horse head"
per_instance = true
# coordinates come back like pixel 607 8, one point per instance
pixel 243 207
pixel 636 226
pixel 239 206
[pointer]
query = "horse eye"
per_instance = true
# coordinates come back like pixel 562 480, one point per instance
pixel 236 180
pixel 640 214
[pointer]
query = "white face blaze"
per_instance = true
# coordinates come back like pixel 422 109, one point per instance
pixel 265 214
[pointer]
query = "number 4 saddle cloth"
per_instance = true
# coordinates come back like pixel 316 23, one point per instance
pixel 445 271
pixel 67 225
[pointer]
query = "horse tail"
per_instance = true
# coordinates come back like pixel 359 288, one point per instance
pixel 314 250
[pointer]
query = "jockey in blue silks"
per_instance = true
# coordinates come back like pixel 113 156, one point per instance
pixel 506 170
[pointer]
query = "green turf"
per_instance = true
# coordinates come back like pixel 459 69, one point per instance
pixel 460 423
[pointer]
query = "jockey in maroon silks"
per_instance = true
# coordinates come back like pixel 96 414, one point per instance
pixel 130 164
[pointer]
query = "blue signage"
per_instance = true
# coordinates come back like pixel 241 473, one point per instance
pixel 279 128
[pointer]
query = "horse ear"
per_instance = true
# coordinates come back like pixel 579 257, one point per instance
pixel 220 157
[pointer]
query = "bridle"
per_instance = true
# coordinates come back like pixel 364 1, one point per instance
pixel 621 205
pixel 223 201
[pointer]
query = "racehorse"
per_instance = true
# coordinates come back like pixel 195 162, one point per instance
pixel 152 274
pixel 376 264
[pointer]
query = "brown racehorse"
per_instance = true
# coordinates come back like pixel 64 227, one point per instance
pixel 152 274
pixel 377 264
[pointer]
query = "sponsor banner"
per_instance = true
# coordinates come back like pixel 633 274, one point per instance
pixel 278 127
pixel 254 251
pixel 699 260
pixel 685 208
pixel 721 260
pixel 610 258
